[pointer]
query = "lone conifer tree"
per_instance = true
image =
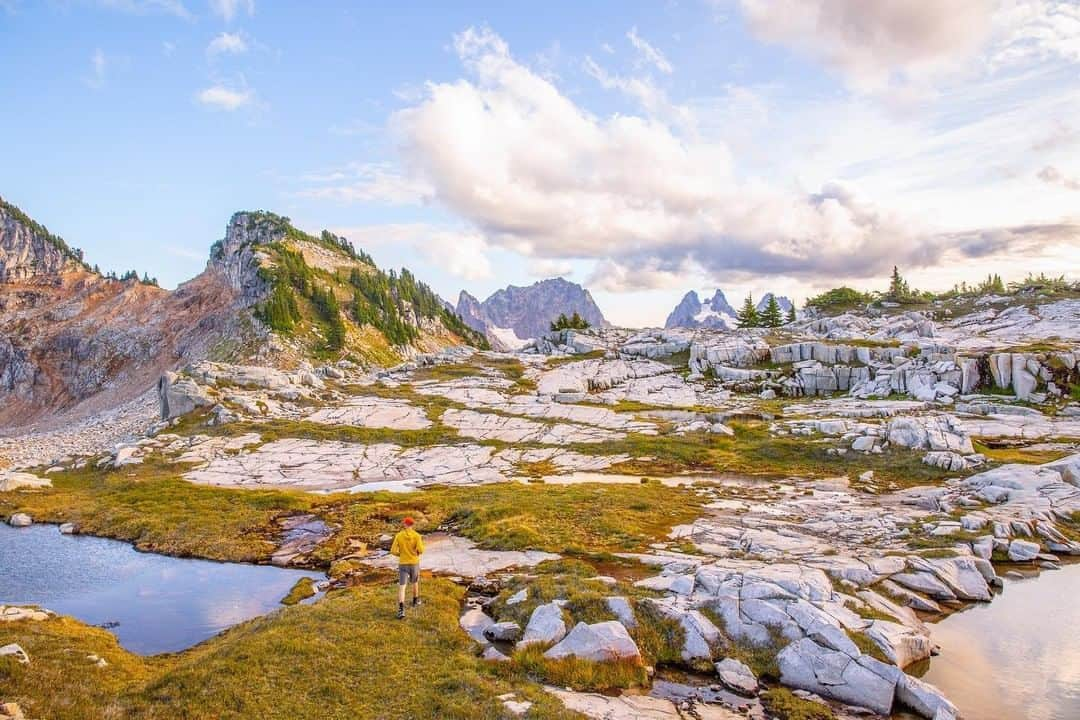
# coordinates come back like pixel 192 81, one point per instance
pixel 747 317
pixel 771 316
pixel 791 314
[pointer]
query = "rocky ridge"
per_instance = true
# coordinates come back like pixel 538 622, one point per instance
pixel 74 344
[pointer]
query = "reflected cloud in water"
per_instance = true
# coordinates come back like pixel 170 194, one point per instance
pixel 161 604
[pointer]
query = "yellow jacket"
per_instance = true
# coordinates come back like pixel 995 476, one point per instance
pixel 408 546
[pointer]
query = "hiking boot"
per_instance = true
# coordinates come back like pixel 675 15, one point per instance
pixel 416 602
pixel 401 612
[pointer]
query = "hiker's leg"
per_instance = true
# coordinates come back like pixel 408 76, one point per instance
pixel 416 588
pixel 401 592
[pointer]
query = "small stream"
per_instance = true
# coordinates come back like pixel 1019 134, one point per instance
pixel 1016 657
pixel 152 603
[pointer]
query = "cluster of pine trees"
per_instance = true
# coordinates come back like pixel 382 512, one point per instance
pixel 772 316
pixel 574 322
pixel 130 275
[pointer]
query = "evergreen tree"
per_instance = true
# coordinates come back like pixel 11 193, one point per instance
pixel 771 316
pixel 747 317
pixel 898 287
pixel 561 323
pixel 791 314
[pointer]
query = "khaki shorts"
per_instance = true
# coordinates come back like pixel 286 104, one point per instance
pixel 408 574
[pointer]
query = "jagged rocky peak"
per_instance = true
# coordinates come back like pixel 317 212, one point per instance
pixel 28 251
pixel 691 312
pixel 237 256
pixel 470 310
pixel 529 311
pixel 783 301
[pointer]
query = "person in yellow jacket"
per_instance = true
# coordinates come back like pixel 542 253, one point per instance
pixel 408 547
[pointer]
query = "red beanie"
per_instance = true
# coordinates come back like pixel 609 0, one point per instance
pixel 408 522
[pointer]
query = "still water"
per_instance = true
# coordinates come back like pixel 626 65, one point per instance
pixel 153 603
pixel 1017 657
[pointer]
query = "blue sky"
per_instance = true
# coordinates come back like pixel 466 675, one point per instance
pixel 641 148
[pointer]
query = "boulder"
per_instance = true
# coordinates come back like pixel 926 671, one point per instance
pixel 502 632
pixel 1023 550
pixel 599 642
pixel 67 528
pixel 20 520
pixel 180 395
pixel 16 651
pixel 493 655
pixel 737 677
pixel 22 481
pixel 860 681
pixel 546 625
pixel 475 622
pixel 923 698
pixel 621 608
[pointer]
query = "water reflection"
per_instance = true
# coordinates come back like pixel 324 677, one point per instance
pixel 161 604
pixel 1017 657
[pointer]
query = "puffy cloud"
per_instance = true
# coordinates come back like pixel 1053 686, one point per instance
pixel 1051 175
pixel 227 43
pixel 229 9
pixel 220 97
pixel 649 53
pixel 539 175
pixel 870 41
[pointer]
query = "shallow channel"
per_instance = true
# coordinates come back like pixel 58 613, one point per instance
pixel 152 603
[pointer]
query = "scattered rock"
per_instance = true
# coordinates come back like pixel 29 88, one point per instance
pixel 737 677
pixel 599 642
pixel 20 520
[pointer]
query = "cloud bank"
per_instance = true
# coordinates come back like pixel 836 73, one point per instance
pixel 505 149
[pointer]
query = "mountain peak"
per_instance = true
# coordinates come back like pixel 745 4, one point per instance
pixel 29 251
pixel 529 311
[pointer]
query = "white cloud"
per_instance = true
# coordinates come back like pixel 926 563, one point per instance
pixel 99 65
pixel 168 48
pixel 653 199
pixel 547 268
pixel 229 9
pixel 1035 30
pixel 460 252
pixel 1052 176
pixel 870 41
pixel 539 175
pixel 224 98
pixel 649 53
pixel 367 182
pixel 227 43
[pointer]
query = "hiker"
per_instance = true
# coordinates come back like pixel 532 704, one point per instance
pixel 408 547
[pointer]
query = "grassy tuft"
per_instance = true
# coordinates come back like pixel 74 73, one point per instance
pixel 783 704
pixel 302 590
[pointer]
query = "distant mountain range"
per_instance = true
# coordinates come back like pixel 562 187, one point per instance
pixel 513 315
pixel 715 313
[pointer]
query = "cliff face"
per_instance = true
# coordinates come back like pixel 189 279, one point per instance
pixel 529 311
pixel 28 253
